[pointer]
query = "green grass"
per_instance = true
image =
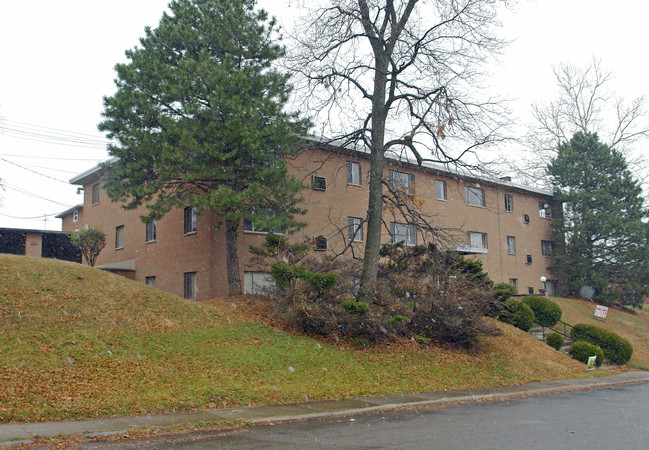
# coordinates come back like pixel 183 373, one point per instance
pixel 76 342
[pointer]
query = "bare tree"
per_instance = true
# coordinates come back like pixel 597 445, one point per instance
pixel 585 104
pixel 398 77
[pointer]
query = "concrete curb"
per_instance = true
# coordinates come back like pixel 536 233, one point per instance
pixel 20 434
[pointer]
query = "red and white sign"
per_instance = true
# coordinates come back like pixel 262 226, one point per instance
pixel 601 311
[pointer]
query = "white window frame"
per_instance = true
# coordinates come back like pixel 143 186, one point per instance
pixel 119 237
pixel 477 242
pixel 440 190
pixel 509 203
pixel 401 179
pixel 190 220
pixel 75 215
pixel 403 232
pixel 471 193
pixel 95 194
pixel 545 210
pixel 511 245
pixel 151 229
pixel 355 229
pixel 353 173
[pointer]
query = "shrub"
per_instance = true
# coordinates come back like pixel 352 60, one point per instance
pixel 320 281
pixel 546 312
pixel 554 340
pixel 356 307
pixel 518 314
pixel 614 346
pixel 90 241
pixel 582 350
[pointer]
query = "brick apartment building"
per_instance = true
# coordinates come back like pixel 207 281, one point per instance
pixel 506 226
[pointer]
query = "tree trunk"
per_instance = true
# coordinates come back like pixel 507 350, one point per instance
pixel 232 257
pixel 377 164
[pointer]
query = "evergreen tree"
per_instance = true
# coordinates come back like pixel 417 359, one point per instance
pixel 603 224
pixel 198 120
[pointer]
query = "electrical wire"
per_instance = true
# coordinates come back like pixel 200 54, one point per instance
pixel 33 171
pixel 52 158
pixel 30 132
pixel 42 216
pixel 31 194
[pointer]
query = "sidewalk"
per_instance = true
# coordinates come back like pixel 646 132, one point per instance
pixel 16 434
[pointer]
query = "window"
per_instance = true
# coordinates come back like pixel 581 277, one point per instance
pixel 320 243
pixel 400 179
pixel 440 190
pixel 355 229
pixel 75 216
pixel 319 183
pixel 511 245
pixel 353 173
pixel 477 242
pixel 405 233
pixel 149 281
pixel 509 203
pixel 514 282
pixel 545 210
pixel 150 231
pixel 95 194
pixel 528 259
pixel 250 227
pixel 547 247
pixel 190 285
pixel 530 290
pixel 190 219
pixel 474 196
pixel 257 282
pixel 526 218
pixel 119 237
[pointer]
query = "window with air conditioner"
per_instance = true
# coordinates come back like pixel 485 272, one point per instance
pixel 319 183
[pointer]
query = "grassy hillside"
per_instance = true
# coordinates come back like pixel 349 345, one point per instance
pixel 634 327
pixel 77 342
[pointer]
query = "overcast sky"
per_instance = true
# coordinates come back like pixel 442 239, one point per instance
pixel 58 57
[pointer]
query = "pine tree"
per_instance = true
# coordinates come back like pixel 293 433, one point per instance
pixel 198 120
pixel 603 224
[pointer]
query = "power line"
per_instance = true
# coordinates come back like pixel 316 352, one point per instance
pixel 33 171
pixel 31 194
pixel 30 132
pixel 52 158
pixel 29 218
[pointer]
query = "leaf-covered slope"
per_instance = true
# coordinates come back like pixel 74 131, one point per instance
pixel 77 342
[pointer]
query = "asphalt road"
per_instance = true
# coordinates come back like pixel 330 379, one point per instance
pixel 615 418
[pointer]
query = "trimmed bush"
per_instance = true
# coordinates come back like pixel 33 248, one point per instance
pixel 518 314
pixel 546 312
pixel 614 346
pixel 582 350
pixel 554 340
